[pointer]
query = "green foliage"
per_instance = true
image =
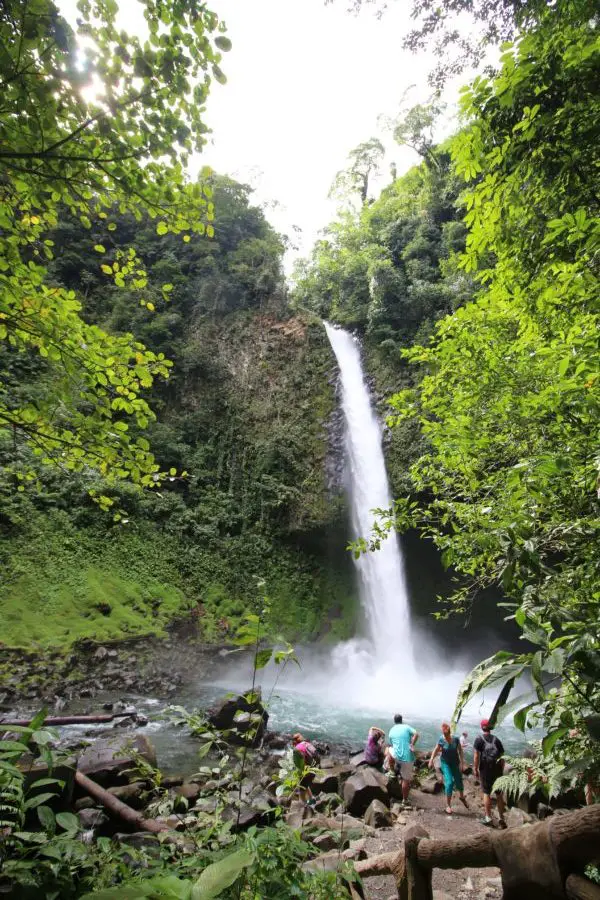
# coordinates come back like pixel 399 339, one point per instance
pixel 106 133
pixel 509 402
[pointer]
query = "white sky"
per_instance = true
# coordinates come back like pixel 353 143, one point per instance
pixel 306 84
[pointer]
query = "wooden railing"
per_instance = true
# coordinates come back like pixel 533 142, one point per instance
pixel 537 862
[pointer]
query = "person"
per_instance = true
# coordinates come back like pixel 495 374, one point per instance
pixel 308 750
pixel 488 765
pixel 310 754
pixel 400 756
pixel 374 748
pixel 464 741
pixel 452 763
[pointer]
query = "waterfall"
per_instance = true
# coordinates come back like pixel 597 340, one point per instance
pixel 381 578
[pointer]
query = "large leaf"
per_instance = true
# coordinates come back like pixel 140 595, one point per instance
pixel 221 875
pixel 551 738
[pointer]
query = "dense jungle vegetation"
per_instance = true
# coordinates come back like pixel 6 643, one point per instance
pixel 503 390
pixel 164 405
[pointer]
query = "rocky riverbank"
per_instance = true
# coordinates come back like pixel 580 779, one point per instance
pixel 153 667
pixel 243 779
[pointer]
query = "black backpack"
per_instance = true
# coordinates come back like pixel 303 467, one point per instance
pixel 490 755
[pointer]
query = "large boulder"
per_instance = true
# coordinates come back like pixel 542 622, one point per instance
pixel 243 719
pixel 362 788
pixel 107 758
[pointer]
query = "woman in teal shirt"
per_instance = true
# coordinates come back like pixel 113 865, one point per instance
pixel 452 763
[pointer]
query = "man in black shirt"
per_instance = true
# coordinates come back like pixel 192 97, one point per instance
pixel 488 765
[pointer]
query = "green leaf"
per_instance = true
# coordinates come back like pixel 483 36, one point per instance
pixel 99 248
pixel 551 738
pixel 223 43
pixel 262 658
pixel 161 228
pixel 220 875
pixel 68 821
pixel 38 799
pixel 47 819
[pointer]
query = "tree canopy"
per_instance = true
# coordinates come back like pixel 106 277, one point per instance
pixel 509 402
pixel 93 121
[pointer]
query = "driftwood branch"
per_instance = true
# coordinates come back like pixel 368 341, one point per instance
pixel 117 807
pixel 66 720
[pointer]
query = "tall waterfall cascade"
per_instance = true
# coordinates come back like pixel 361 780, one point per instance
pixel 392 664
pixel 382 582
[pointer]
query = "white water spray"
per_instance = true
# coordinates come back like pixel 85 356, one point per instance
pixel 382 582
pixel 391 666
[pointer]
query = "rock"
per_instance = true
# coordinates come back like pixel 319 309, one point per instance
pixel 228 715
pixel 84 803
pixel 378 815
pixel 327 841
pixel 106 758
pixel 327 783
pixel 327 802
pixel 257 812
pixel 358 759
pixel 327 862
pixel 362 788
pixel 169 781
pixel 441 895
pixel 92 818
pixel 190 790
pixel 131 794
pixel 297 814
pixel 543 811
pixel 515 817
pixel 140 840
pixel 431 785
pixel 360 848
pixel 101 653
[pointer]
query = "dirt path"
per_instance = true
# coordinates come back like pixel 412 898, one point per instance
pixel 429 811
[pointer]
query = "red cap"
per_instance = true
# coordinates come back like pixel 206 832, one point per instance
pixel 485 724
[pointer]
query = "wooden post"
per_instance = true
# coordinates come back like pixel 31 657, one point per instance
pixel 416 877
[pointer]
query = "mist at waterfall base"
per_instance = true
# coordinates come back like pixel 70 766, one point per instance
pixel 394 664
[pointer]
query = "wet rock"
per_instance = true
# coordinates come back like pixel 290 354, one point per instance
pixel 378 815
pixel 106 758
pixel 244 717
pixel 190 790
pixel 131 794
pixel 362 788
pixel 92 818
pixel 139 840
pixel 169 781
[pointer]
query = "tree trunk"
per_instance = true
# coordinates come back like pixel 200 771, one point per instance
pixel 65 720
pixel 117 807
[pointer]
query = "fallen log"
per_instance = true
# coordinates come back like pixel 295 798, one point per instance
pixel 117 807
pixel 66 720
pixel 579 888
pixel 535 861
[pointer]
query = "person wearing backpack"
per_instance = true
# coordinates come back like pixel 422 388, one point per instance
pixel 488 765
